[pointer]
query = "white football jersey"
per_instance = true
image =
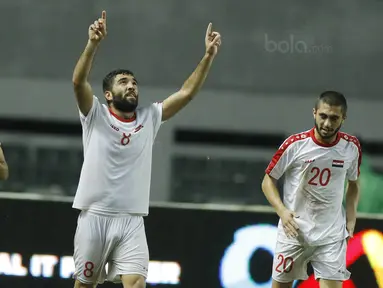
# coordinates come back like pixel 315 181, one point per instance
pixel 116 173
pixel 314 185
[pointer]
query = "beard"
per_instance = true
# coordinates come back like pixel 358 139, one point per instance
pixel 124 103
pixel 328 136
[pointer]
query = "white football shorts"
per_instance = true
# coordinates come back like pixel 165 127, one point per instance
pixel 118 242
pixel 328 262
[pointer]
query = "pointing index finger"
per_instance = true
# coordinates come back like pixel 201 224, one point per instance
pixel 103 15
pixel 209 29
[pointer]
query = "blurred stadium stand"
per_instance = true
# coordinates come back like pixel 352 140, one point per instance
pixel 216 150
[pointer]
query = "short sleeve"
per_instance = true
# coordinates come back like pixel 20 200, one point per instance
pixel 282 159
pixel 353 171
pixel 92 114
pixel 156 112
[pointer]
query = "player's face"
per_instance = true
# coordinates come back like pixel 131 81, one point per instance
pixel 125 93
pixel 328 120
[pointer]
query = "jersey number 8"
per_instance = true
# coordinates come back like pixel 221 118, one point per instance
pixel 88 271
pixel 321 177
pixel 125 139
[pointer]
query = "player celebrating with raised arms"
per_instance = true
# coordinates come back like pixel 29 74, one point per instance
pixel 313 225
pixel 113 190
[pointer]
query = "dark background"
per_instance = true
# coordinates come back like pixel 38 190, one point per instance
pixel 196 239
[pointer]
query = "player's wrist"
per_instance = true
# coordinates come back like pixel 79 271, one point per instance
pixel 280 210
pixel 208 56
pixel 90 49
pixel 92 44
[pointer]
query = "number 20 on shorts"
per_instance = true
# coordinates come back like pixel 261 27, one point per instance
pixel 320 177
pixel 285 265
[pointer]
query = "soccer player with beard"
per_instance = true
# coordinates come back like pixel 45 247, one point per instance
pixel 113 190
pixel 314 226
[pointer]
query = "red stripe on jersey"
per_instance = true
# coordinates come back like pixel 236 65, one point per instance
pixel 123 119
pixel 283 148
pixel 354 140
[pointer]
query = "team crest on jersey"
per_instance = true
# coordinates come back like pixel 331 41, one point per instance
pixel 338 163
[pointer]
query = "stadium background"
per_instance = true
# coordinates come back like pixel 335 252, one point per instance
pixel 275 59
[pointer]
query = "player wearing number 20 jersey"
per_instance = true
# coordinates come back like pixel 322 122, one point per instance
pixel 315 175
pixel 313 225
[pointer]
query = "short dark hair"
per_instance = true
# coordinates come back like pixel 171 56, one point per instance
pixel 333 98
pixel 107 82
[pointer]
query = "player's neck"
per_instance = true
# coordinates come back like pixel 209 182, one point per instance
pixel 324 141
pixel 123 115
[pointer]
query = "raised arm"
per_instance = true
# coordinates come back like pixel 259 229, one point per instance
pixel 189 89
pixel 4 172
pixel 82 88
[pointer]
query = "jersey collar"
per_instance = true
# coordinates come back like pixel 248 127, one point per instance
pixel 123 119
pixel 312 135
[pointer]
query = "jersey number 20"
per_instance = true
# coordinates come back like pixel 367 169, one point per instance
pixel 321 177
